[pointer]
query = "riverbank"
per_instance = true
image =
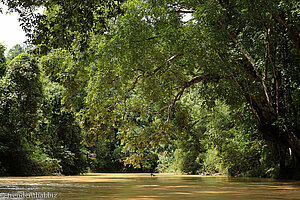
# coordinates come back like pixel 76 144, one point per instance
pixel 91 177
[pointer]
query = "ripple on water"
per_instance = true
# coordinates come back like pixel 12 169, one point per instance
pixel 111 186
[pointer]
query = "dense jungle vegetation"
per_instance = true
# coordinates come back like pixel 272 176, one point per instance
pixel 155 85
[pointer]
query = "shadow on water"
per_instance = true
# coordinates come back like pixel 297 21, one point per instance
pixel 143 186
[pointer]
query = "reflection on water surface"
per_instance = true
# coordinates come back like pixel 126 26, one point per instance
pixel 143 186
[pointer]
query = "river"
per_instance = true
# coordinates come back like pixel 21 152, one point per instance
pixel 144 187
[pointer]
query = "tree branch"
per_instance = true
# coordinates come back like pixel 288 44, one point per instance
pixel 154 72
pixel 295 34
pixel 203 117
pixel 166 62
pixel 135 82
pixel 197 79
pixel 243 50
pixel 185 11
pixel 146 39
pixel 275 74
pixel 251 60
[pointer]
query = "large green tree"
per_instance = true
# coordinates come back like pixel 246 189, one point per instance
pixel 20 97
pixel 56 143
pixel 138 66
pixel 247 51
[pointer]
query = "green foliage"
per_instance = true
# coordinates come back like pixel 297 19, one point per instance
pixel 63 21
pixel 107 157
pixel 61 67
pixel 2 60
pixel 227 48
pixel 212 163
pixel 214 92
pixel 15 51
pixel 20 91
pixel 60 133
pixel 44 164
pixel 37 135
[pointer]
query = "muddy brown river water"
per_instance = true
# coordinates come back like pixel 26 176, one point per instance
pixel 144 187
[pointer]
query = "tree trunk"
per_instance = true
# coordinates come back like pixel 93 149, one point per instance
pixel 294 143
pixel 281 142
